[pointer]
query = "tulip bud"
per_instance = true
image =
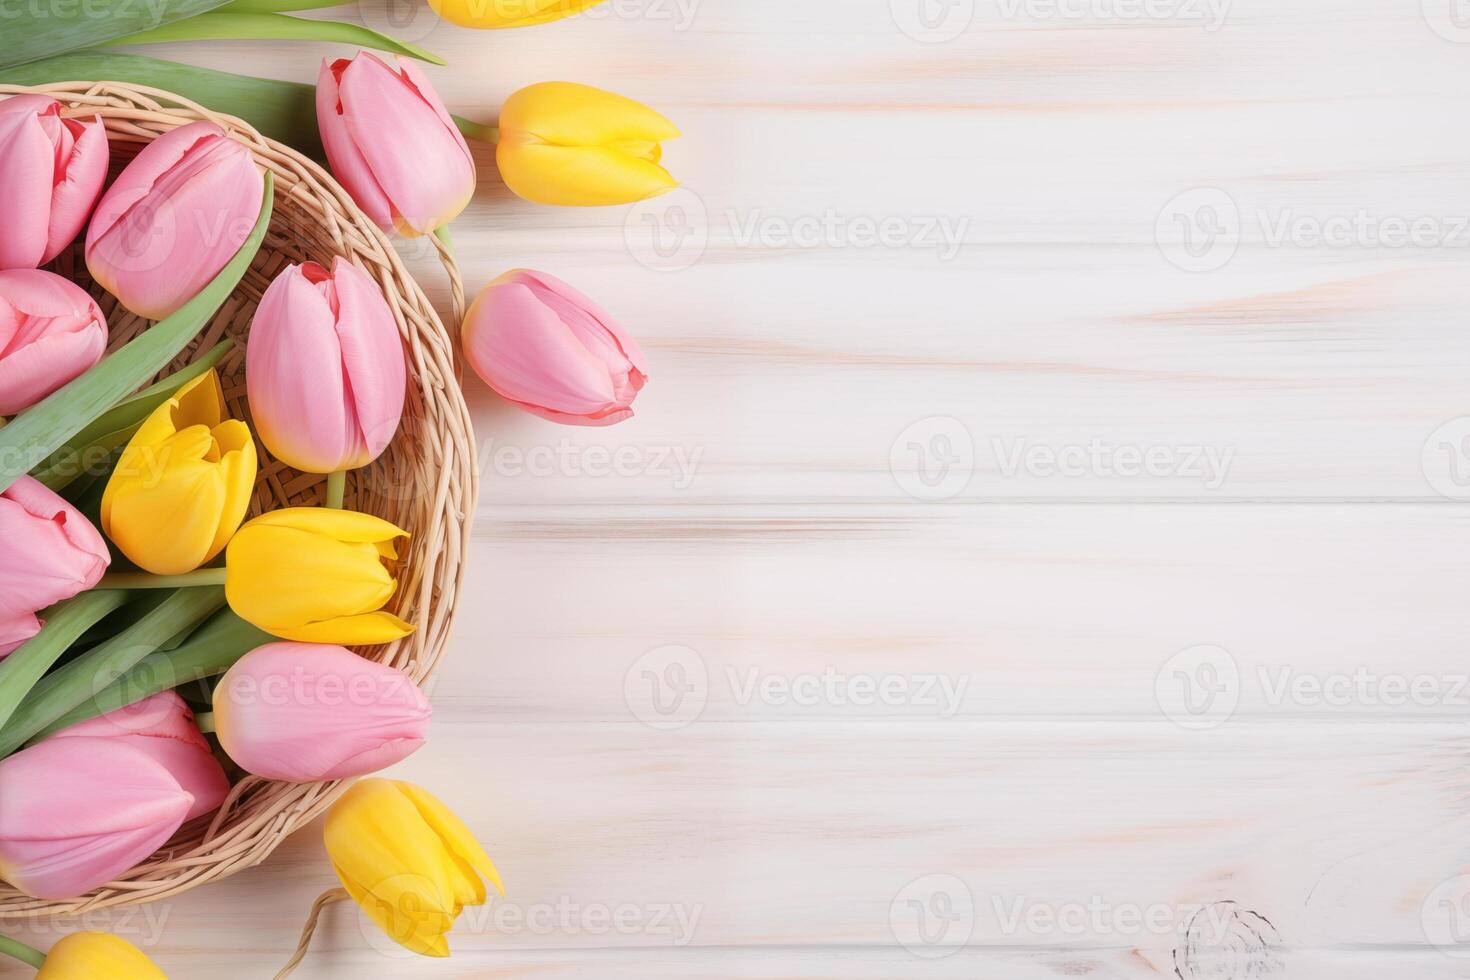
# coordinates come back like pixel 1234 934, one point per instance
pixel 324 368
pixel 552 351
pixel 50 332
pixel 563 143
pixel 48 552
pixel 94 955
pixel 496 14
pixel 76 813
pixel 407 860
pixel 316 575
pixel 174 218
pixel 162 727
pixel 303 712
pixel 183 484
pixel 51 171
pixel 392 144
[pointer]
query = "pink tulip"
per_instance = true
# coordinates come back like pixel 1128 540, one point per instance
pixel 392 143
pixel 302 712
pixel 50 332
pixel 324 368
pixel 48 552
pixel 51 171
pixel 552 351
pixel 76 813
pixel 163 728
pixel 173 218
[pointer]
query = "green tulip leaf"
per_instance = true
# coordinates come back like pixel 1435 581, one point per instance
pixel 73 685
pixel 283 111
pixel 278 6
pixel 39 30
pixel 40 430
pixel 227 25
pixel 65 622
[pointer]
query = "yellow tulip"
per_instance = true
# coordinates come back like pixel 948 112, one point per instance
pixel 494 14
pixel 407 860
pixel 316 575
pixel 90 955
pixel 562 143
pixel 183 484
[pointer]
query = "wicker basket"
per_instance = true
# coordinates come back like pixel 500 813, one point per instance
pixel 425 483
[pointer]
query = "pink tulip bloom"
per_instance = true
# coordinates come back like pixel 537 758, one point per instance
pixel 324 368
pixel 552 351
pixel 392 144
pixel 50 332
pixel 51 171
pixel 163 728
pixel 302 712
pixel 76 813
pixel 173 218
pixel 48 552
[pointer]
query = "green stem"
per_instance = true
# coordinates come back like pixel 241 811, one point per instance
pixel 442 233
pixel 477 131
pixel 142 580
pixel 65 622
pixel 22 952
pixel 336 489
pixel 100 667
pixel 205 721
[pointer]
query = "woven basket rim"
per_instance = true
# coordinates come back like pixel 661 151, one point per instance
pixel 259 814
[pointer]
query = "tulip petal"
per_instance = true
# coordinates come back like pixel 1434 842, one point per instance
pixel 16 630
pixel 87 955
pixel 577 176
pixel 429 186
pixel 348 164
pixel 237 468
pixel 75 194
pixel 453 832
pixel 27 166
pixel 48 550
pixel 372 358
pixel 343 525
pixel 73 817
pixel 362 630
pixel 572 115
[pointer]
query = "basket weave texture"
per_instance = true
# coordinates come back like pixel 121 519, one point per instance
pixel 425 482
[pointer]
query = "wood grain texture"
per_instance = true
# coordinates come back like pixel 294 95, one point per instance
pixel 1028 596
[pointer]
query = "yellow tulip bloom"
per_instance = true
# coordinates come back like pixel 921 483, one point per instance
pixel 89 955
pixel 183 484
pixel 495 14
pixel 316 575
pixel 563 143
pixel 407 860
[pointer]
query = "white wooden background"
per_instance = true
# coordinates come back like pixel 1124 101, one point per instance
pixel 855 693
